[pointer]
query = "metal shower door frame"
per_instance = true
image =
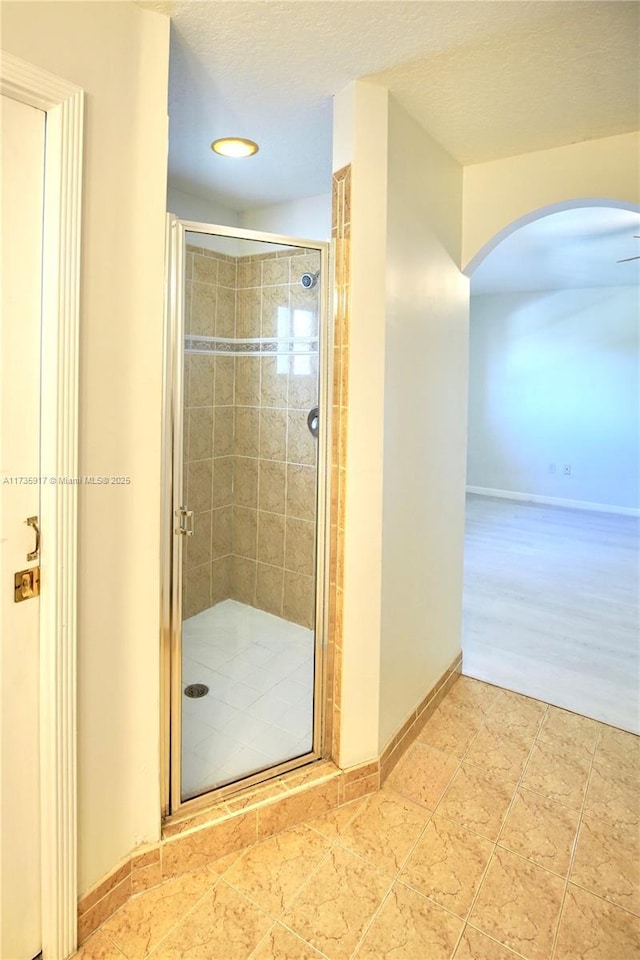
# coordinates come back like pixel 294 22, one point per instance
pixel 172 492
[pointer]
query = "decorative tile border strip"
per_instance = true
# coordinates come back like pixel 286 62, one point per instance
pixel 252 815
pixel 340 233
pixel 252 347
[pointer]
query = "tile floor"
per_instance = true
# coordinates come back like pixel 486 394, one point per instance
pixel 259 709
pixel 510 829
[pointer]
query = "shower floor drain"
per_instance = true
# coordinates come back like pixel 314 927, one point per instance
pixel 196 690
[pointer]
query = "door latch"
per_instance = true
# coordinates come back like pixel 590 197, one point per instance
pixel 26 584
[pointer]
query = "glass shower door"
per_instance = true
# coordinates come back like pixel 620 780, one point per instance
pixel 246 496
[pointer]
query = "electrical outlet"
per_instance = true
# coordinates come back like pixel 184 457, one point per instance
pixel 552 468
pixel 566 469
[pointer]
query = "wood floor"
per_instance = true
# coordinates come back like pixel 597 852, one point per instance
pixel 551 606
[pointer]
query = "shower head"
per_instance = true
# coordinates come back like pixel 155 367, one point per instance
pixel 309 280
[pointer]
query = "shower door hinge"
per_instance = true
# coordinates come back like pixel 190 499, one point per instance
pixel 186 522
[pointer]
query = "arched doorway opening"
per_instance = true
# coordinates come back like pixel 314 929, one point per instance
pixel 551 553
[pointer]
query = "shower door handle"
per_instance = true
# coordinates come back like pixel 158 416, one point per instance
pixel 313 421
pixel 186 522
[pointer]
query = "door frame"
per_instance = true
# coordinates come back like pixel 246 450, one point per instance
pixel 170 572
pixel 63 105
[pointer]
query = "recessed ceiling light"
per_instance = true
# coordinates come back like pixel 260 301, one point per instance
pixel 234 147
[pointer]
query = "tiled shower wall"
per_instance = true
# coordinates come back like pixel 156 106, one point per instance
pixel 250 460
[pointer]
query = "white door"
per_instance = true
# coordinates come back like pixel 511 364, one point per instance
pixel 22 146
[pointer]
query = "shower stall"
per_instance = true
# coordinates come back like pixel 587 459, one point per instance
pixel 246 448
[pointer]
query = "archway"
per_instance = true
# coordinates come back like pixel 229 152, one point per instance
pixel 553 460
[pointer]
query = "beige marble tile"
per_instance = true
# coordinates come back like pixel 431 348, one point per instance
pixel 423 774
pixel 517 711
pixel 447 865
pixel 361 788
pixel 142 878
pixel 301 491
pixel 300 546
pixel 299 807
pixel 614 795
pixel 298 598
pixel 269 586
pixel 385 830
pixel 272 871
pixel 273 434
pixel 201 375
pixel 477 800
pixel 246 441
pixel 226 273
pixel 591 929
pixel 337 903
pixel 195 850
pixel 139 926
pixel 198 493
pixel 607 862
pixel 271 528
pixel 98 947
pixel 104 908
pixel 245 482
pixel 143 856
pixel 303 388
pixel 301 446
pixel 245 532
pixel 223 925
pixel 244 580
pixel 410 926
pixel 333 823
pixel 224 381
pixel 225 312
pixel 275 271
pixel 477 946
pixel 557 774
pixel 200 433
pixel 473 692
pixel 274 384
pixel 569 731
pixel 501 748
pixel 618 745
pixel 541 830
pixel 101 889
pixel 205 269
pixel 282 944
pixel 271 492
pixel 222 489
pixel 452 727
pixel 519 905
pixel 223 432
pixel 203 308
pixel 247 384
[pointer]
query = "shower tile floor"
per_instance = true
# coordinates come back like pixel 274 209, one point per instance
pixel 259 709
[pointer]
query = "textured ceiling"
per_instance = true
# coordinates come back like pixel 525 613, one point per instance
pixel 486 79
pixel 573 248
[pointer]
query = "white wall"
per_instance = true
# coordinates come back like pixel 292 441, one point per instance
pixel 502 191
pixel 554 378
pixel 119 54
pixel 424 420
pixel 308 218
pixel 360 137
pixel 187 206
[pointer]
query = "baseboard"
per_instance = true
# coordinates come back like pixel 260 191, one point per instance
pixel 555 501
